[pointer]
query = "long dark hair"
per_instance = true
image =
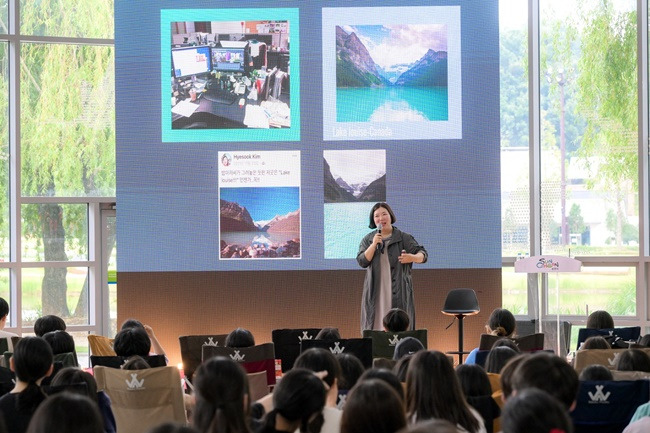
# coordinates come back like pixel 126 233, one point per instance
pixel 298 396
pixel 221 386
pixel 373 406
pixel 433 391
pixel 67 413
pixel 32 359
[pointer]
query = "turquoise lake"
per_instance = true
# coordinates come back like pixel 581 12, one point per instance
pixel 392 104
pixel 345 225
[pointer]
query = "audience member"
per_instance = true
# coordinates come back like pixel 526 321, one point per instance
pixel 596 372
pixel 222 397
pixel 396 320
pixel 407 346
pixel 4 314
pixel 431 426
pixel 600 319
pixel 502 323
pixel 497 358
pixel 387 376
pixel 595 342
pixel 351 370
pixel 550 373
pixel 505 378
pixel 70 378
pixel 156 348
pixel 132 341
pixel 48 323
pixel 135 362
pixel 506 342
pixel 373 406
pixel 60 342
pixel 401 368
pixel 31 361
pixel 240 337
pixel 478 392
pixel 633 360
pixel 328 334
pixel 67 413
pixel 645 341
pixel 535 411
pixel 433 391
pixel 639 426
pixel 297 399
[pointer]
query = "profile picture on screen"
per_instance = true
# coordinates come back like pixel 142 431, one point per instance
pixel 353 181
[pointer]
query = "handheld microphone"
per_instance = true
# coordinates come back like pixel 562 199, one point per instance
pixel 380 247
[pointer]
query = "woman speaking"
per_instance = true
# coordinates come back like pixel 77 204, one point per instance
pixel 387 254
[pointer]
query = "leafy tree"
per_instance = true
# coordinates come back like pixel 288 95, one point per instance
pixel 576 221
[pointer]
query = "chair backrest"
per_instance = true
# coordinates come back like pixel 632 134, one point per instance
pixel 254 359
pixel 606 357
pixel 192 349
pixel 68 359
pixel 287 344
pixel 118 361
pixel 527 343
pixel 631 333
pixel 257 385
pixel 549 329
pixel 383 343
pixel 359 347
pixel 100 345
pixel 7 378
pixel 461 302
pixel 608 406
pixel 141 399
pixel 4 345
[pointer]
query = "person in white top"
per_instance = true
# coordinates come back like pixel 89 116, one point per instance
pixel 4 313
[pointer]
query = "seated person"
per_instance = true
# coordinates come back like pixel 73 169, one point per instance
pixel 132 341
pixel 600 319
pixel 478 392
pixel 48 323
pixel 407 346
pixel 595 342
pixel 135 363
pixel 498 357
pixel 156 348
pixel 328 334
pixel 4 313
pixel 502 323
pixel 596 372
pixel 633 360
pixel 240 337
pixel 396 320
pixel 60 342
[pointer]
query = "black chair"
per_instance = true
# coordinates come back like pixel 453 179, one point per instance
pixel 384 342
pixel 192 350
pixel 628 334
pixel 460 303
pixel 287 344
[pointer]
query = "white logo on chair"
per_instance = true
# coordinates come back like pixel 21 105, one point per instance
pixel 211 342
pixel 337 349
pixel 134 383
pixel 341 403
pixel 237 357
pixel 393 341
pixel 599 396
pixel 614 360
pixel 305 336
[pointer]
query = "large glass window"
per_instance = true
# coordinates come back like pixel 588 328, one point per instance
pixel 67 18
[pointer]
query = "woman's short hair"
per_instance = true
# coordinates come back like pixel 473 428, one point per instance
pixel 318 359
pixel 534 411
pixel 595 342
pixel 132 323
pixel 497 358
pixel 240 337
pixel 132 341
pixel 60 341
pixel 328 334
pixel 48 323
pixel 596 372
pixel 550 373
pixel 351 370
pixel 502 322
pixel 67 413
pixel 376 206
pixel 633 360
pixel 373 406
pixel 600 319
pixel 396 320
pixel 135 362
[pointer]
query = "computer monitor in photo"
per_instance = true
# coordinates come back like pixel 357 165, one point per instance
pixel 190 61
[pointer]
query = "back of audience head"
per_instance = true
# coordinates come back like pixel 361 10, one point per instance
pixel 497 358
pixel 396 320
pixel 549 373
pixel 48 323
pixel 373 406
pixel 596 372
pixel 76 381
pixel 4 309
pixel 351 370
pixel 633 360
pixel 328 334
pixel 135 362
pixel 508 370
pixel 506 342
pixel 501 322
pixel 132 341
pixel 473 380
pixel 407 346
pixel 172 427
pixel 67 413
pixel 387 376
pixel 431 426
pixel 31 361
pixel 240 337
pixel 298 397
pixel 595 342
pixel 645 341
pixel 402 366
pixel 131 323
pixel 317 359
pixel 222 393
pixel 433 391
pixel 60 342
pixel 600 319
pixel 534 411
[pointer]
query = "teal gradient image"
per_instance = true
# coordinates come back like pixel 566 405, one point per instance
pixel 241 118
